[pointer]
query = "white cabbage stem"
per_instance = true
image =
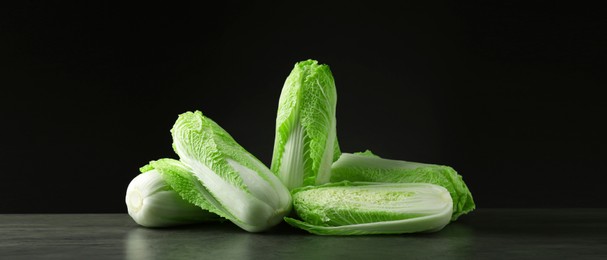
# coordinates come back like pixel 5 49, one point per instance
pixel 152 203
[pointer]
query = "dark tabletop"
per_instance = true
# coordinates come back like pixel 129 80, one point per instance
pixel 483 234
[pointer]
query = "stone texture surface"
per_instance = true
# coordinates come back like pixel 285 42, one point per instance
pixel 484 234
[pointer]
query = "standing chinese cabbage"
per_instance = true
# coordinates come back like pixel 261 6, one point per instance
pixel 227 180
pixel 306 145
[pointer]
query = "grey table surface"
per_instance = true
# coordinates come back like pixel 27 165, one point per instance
pixel 483 234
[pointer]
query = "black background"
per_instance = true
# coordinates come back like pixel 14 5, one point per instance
pixel 506 93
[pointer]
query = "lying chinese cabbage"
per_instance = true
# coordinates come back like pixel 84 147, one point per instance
pixel 152 202
pixel 367 167
pixel 305 144
pixel 227 180
pixel 359 208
